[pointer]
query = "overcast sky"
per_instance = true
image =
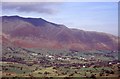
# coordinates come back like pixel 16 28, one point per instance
pixel 90 16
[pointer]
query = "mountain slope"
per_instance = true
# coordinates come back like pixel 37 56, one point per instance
pixel 39 33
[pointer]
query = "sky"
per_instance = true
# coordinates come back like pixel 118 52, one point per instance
pixel 89 16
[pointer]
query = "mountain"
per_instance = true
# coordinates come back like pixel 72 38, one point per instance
pixel 39 33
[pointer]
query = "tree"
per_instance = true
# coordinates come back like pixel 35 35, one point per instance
pixel 93 76
pixel 101 74
pixel 71 74
pixel 39 73
pixel 46 73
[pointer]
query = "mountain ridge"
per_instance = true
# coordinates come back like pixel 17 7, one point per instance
pixel 34 21
pixel 35 33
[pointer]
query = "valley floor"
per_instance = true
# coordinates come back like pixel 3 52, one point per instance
pixel 24 62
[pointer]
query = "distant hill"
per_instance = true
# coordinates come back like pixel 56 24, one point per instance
pixel 39 33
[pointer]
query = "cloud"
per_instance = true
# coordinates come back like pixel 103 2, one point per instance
pixel 38 7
